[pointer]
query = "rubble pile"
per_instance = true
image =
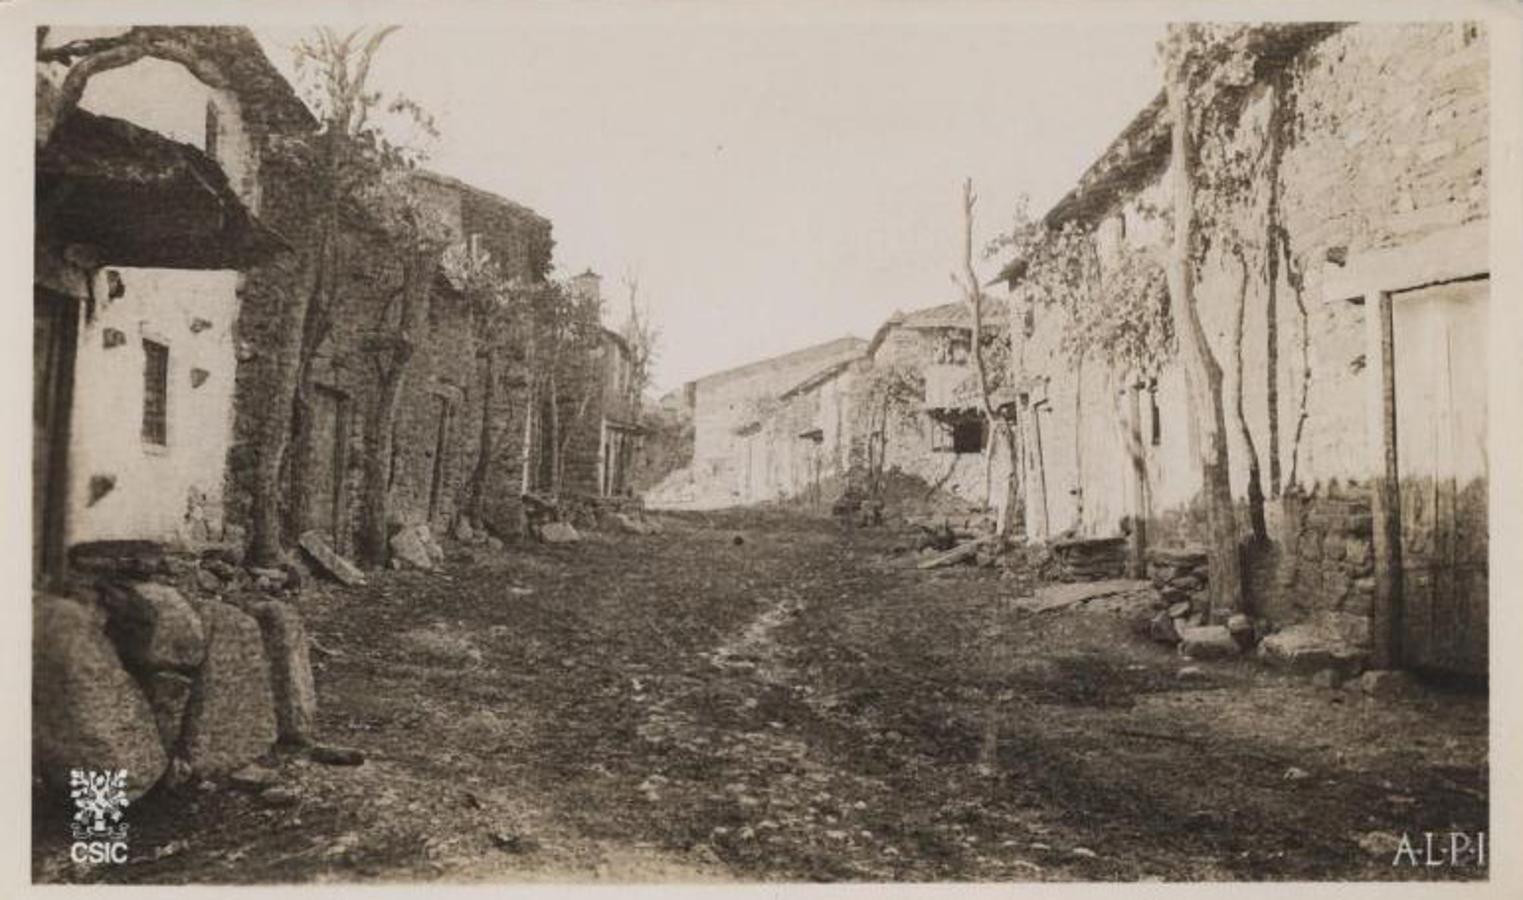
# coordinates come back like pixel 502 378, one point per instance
pixel 1180 574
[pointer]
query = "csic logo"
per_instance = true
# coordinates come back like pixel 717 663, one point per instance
pixel 100 797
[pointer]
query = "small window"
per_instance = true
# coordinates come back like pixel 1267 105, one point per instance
pixel 155 393
pixel 213 124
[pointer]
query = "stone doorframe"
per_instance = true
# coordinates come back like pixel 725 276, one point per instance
pixel 1371 278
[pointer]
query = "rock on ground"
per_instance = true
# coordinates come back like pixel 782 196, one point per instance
pixel 1207 642
pixel 409 547
pixel 291 682
pixel 154 627
pixel 322 553
pixel 230 719
pixel 1161 629
pixel 87 712
pixel 1310 647
pixel 558 533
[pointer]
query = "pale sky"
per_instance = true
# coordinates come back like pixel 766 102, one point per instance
pixel 773 185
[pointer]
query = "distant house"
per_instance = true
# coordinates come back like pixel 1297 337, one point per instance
pixel 920 406
pixel 742 451
pixel 148 209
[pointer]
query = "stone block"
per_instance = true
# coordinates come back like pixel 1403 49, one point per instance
pixel 87 712
pixel 291 682
pixel 558 533
pixel 1309 647
pixel 1207 642
pixel 408 547
pixel 230 719
pixel 317 547
pixel 1161 629
pixel 153 626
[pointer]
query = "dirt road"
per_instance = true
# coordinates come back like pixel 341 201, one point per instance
pixel 799 705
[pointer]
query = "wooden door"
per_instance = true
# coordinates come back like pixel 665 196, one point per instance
pixel 53 349
pixel 1439 352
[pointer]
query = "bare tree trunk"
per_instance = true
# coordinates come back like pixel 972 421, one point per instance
pixel 375 495
pixel 487 448
pixel 975 298
pixel 1203 373
pixel 1255 480
pixel 1078 490
pixel 1134 448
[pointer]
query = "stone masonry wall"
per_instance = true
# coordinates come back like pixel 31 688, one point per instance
pixel 1388 128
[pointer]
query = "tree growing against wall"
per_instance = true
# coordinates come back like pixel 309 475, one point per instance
pixel 342 168
pixel 995 417
pixel 495 303
pixel 1203 65
pixel 416 237
pixel 565 330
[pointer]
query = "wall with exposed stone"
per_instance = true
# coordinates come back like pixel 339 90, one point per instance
pixel 1388 126
pixel 437 428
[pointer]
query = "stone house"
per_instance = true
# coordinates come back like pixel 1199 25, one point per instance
pixel 1367 417
pixel 746 448
pixel 151 208
pixel 919 410
pixel 150 197
pixel 592 417
pixel 437 427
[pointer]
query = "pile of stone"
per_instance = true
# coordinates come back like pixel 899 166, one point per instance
pixel 475 535
pixel 130 673
pixel 1179 574
pixel 1088 559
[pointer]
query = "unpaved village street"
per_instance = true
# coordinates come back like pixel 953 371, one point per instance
pixel 768 696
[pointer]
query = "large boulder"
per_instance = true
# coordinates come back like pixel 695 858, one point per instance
pixel 558 533
pixel 230 719
pixel 409 547
pixel 1207 642
pixel 87 712
pixel 1310 647
pixel 295 692
pixel 431 544
pixel 154 626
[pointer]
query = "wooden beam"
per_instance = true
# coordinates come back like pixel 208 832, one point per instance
pixel 1387 614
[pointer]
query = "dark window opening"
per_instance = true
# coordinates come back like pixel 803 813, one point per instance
pixel 966 435
pixel 155 393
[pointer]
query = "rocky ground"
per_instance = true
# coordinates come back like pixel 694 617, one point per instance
pixel 770 697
